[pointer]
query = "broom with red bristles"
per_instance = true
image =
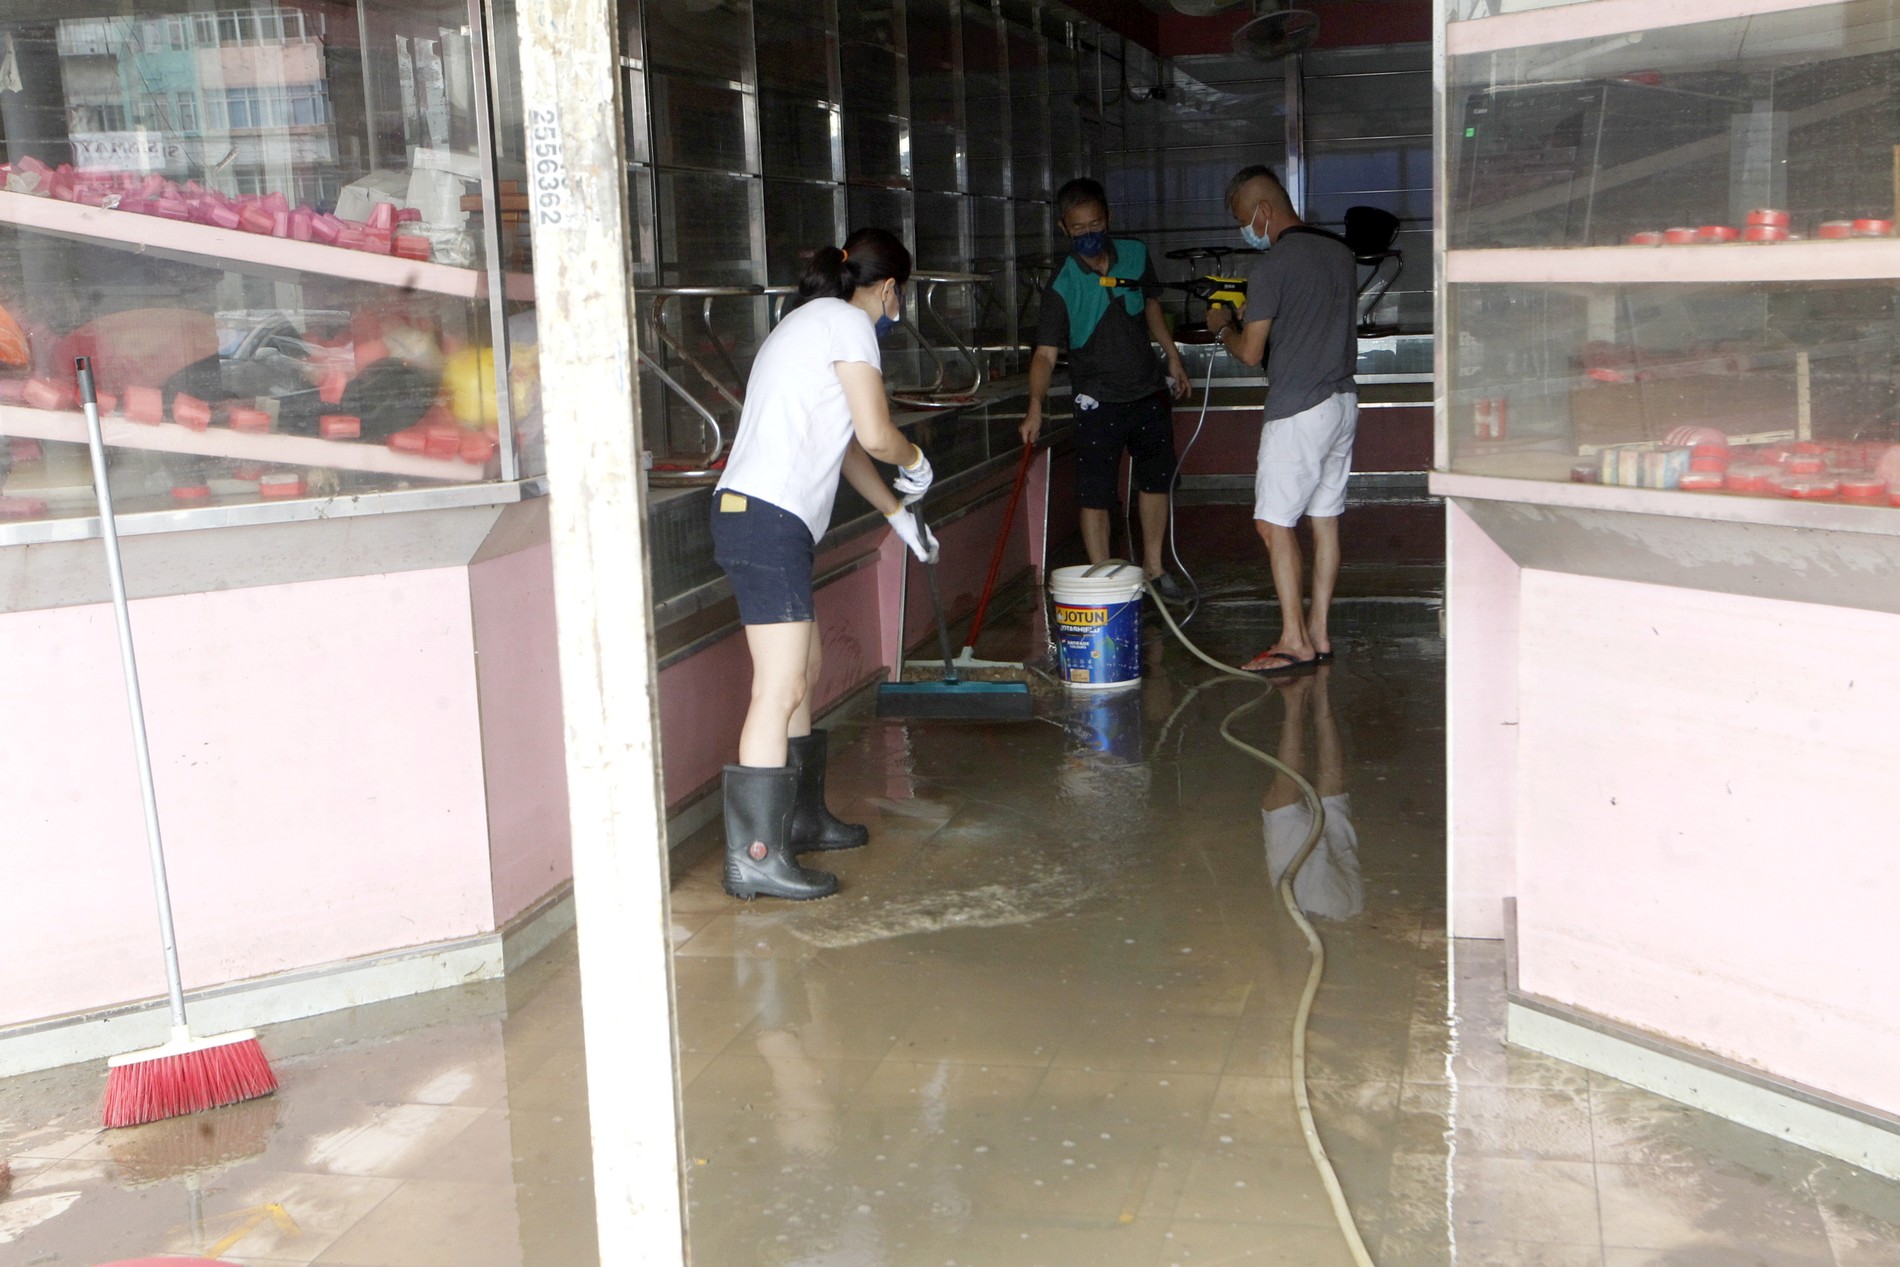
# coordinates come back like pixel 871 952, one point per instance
pixel 186 1075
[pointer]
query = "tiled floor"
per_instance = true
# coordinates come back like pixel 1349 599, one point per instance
pixel 1046 1022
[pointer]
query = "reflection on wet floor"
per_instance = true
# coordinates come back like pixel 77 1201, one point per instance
pixel 1046 1022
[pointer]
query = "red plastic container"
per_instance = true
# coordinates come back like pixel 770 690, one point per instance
pixel 1862 486
pixel 1770 217
pixel 1805 464
pixel 442 440
pixel 33 507
pixel 1764 233
pixel 1835 229
pixel 1872 228
pixel 1702 482
pixel 281 484
pixel 1809 488
pixel 478 447
pixel 1648 237
pixel 340 427
pixel 47 393
pixel 255 420
pixel 410 247
pixel 1750 479
pixel 1679 236
pixel 145 404
pixel 191 493
pixel 1717 233
pixel 408 440
pixel 189 411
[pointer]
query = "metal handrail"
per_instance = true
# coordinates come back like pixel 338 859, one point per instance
pixel 655 315
pixel 929 283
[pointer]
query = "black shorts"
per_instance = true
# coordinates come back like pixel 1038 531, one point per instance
pixel 767 553
pixel 1144 427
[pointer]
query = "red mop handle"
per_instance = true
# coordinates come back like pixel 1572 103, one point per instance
pixel 1002 543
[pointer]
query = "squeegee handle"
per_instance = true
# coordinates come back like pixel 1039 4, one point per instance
pixel 122 611
pixel 1002 544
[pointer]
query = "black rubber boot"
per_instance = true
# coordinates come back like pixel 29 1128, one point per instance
pixel 814 826
pixel 759 860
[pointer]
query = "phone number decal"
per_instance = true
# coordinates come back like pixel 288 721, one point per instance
pixel 547 169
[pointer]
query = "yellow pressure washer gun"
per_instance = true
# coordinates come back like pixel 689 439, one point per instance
pixel 1215 292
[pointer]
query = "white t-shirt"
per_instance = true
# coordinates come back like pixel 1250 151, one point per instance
pixel 796 425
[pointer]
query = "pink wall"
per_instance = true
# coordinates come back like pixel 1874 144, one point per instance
pixel 518 678
pixel 1706 823
pixel 1481 607
pixel 319 779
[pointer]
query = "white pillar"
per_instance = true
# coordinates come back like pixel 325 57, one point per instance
pixel 577 182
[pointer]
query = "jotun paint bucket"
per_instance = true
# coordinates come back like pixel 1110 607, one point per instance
pixel 1098 625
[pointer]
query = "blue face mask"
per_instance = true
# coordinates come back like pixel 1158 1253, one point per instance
pixel 1254 238
pixel 884 323
pixel 1090 245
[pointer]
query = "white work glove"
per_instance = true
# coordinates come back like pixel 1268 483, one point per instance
pixel 912 481
pixel 922 542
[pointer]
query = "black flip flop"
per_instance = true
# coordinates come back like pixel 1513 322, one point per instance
pixel 1322 657
pixel 1291 665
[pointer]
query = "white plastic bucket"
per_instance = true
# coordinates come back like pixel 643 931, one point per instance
pixel 1098 625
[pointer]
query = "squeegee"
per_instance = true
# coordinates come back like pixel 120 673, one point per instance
pixel 952 698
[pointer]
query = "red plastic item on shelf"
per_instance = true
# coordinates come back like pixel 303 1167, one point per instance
pixel 275 202
pixel 1835 229
pixel 478 447
pixel 441 440
pixel 191 493
pixel 21 507
pixel 281 484
pixel 1805 464
pixel 1812 488
pixel 47 393
pixel 1770 216
pixel 408 440
pixel 410 247
pixel 407 214
pixel 145 404
pixel 107 403
pixel 300 224
pixel 25 449
pixel 1873 228
pixel 1813 446
pixel 189 411
pixel 367 352
pixel 1764 233
pixel 1719 452
pixel 1646 237
pixel 225 216
pixel 254 219
pixel 254 420
pixel 1716 233
pixel 382 217
pixel 376 242
pixel 1702 481
pixel 325 228
pixel 340 427
pixel 330 390
pixel 1679 236
pixel 1750 479
pixel 1862 486
pixel 280 224
pixel 1712 465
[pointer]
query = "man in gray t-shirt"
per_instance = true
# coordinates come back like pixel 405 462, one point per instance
pixel 1304 291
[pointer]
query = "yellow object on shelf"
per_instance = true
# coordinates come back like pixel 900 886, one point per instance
pixel 469 377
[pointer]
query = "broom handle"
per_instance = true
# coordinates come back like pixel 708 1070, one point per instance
pixel 1002 543
pixel 121 609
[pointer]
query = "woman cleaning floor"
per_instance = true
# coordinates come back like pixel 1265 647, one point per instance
pixel 815 407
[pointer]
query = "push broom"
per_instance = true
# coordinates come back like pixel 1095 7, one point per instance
pixel 966 661
pixel 186 1075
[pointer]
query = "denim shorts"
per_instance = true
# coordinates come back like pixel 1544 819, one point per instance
pixel 767 554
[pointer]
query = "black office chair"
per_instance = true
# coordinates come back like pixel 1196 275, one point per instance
pixel 1370 232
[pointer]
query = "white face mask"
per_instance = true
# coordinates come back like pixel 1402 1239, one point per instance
pixel 1255 239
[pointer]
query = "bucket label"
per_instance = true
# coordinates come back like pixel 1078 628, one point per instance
pixel 1100 644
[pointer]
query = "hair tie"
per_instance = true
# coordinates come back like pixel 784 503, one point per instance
pixel 843 255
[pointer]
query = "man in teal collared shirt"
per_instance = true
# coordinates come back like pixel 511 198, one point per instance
pixel 1121 396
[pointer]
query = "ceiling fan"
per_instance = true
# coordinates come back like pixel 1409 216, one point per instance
pixel 1275 31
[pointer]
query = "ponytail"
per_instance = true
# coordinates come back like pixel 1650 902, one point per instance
pixel 867 258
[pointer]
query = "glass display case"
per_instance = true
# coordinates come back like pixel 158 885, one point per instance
pixel 1669 247
pixel 286 235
